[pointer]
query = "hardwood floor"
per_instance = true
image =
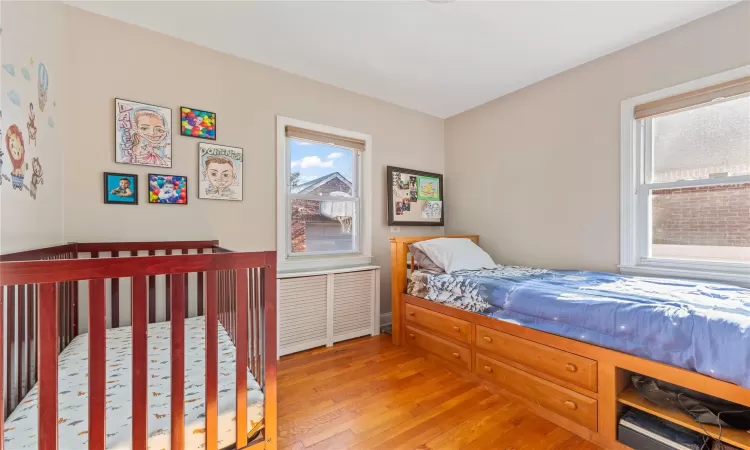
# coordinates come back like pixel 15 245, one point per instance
pixel 369 394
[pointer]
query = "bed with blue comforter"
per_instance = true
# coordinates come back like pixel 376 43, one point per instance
pixel 700 326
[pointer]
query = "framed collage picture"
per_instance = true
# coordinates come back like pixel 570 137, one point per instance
pixel 415 198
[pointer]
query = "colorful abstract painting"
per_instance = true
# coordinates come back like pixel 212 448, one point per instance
pixel 171 189
pixel 197 123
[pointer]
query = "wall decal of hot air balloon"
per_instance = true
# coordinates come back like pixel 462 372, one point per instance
pixel 43 84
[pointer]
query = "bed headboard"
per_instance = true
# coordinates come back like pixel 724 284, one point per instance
pixel 400 266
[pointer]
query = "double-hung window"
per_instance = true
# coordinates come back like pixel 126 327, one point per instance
pixel 686 183
pixel 321 201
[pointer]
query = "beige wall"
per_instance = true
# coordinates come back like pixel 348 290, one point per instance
pixel 108 59
pixel 536 173
pixel 26 222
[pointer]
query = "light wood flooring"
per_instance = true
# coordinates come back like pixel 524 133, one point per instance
pixel 369 394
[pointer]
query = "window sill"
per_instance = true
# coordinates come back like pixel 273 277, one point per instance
pixel 322 262
pixel 738 277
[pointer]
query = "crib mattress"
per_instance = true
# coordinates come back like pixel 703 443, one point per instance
pixel 22 425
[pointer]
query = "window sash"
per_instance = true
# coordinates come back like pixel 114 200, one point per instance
pixel 356 232
pixel 643 210
pixel 355 197
pixel 327 198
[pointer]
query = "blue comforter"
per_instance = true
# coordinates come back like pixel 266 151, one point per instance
pixel 699 326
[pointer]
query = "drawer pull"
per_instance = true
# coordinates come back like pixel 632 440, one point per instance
pixel 571 405
pixel 488 369
pixel 488 339
pixel 456 328
pixel 571 368
pixel 457 355
pixel 412 314
pixel 411 335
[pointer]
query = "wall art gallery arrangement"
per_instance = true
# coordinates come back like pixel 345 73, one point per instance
pixel 143 136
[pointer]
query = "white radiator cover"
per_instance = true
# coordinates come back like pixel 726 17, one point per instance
pixel 324 307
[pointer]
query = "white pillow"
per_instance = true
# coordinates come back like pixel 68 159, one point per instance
pixel 454 254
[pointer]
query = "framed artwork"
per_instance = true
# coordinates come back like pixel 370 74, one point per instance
pixel 428 188
pixel 169 189
pixel 220 176
pixel 120 188
pixel 143 134
pixel 197 123
pixel 414 197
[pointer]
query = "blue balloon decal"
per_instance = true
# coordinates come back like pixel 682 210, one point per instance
pixel 10 69
pixel 13 96
pixel 26 74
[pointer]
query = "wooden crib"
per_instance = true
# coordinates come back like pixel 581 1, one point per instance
pixel 48 296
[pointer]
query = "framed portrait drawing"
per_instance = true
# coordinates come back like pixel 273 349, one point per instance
pixel 143 134
pixel 415 198
pixel 220 176
pixel 120 188
pixel 167 189
pixel 197 123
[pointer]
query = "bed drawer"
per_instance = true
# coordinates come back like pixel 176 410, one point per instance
pixel 454 354
pixel 557 363
pixel 450 326
pixel 569 404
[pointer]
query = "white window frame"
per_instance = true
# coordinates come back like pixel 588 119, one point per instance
pixel 635 230
pixel 362 221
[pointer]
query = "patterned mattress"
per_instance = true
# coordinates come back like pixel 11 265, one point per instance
pixel 21 427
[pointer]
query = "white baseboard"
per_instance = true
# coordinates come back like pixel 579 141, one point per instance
pixel 385 319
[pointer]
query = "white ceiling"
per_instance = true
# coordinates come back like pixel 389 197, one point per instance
pixel 440 59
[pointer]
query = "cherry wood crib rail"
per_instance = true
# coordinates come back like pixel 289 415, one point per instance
pixel 22 328
pixel 240 293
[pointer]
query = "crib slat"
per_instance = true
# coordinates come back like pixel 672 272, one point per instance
pixel 168 297
pixel 140 363
pixel 212 362
pixel 11 345
pixel 75 308
pixel 268 361
pixel 242 335
pixel 251 325
pixel 186 297
pixel 151 294
pixel 61 316
pixel 72 316
pixel 221 299
pixel 21 342
pixel 200 288
pixel 97 364
pixel 256 327
pixel 47 366
pixel 115 292
pixel 2 364
pixel 178 362
pixel 34 330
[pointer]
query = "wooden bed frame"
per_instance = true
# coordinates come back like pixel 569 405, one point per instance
pixel 39 296
pixel 578 386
